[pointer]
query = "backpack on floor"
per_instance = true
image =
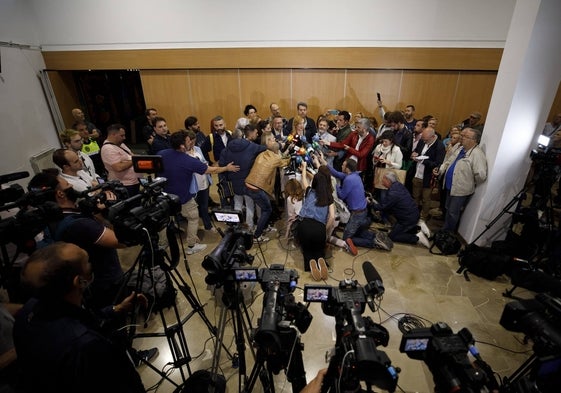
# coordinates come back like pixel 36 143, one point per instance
pixel 446 241
pixel 484 262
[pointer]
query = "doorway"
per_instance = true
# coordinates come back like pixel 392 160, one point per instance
pixel 110 97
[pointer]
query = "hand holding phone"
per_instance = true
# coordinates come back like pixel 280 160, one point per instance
pixel 379 96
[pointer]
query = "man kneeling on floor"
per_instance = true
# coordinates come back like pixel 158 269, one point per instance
pixel 402 206
pixel 351 191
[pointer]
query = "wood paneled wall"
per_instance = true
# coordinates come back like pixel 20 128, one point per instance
pixel 448 83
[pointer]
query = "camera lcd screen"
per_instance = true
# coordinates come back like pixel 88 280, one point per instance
pixel 316 294
pixel 227 217
pixel 245 274
pixel 147 164
pixel 416 344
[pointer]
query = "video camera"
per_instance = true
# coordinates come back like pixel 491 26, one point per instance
pixel 149 211
pixel 355 357
pixel 445 353
pixel 36 209
pixel 540 320
pixel 91 200
pixel 231 252
pixel 277 341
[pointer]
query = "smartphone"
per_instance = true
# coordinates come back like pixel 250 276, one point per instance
pixel 379 96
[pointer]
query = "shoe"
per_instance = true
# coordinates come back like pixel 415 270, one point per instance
pixel 424 228
pixel 423 239
pixel 383 241
pixel 351 246
pixel 212 229
pixel 270 229
pixel 260 239
pixel 323 270
pixel 144 355
pixel 314 270
pixel 196 248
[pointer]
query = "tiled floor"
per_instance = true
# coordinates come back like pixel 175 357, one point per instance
pixel 416 282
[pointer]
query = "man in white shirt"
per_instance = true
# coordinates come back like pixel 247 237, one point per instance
pixel 72 170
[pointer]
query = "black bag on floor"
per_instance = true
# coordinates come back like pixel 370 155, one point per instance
pixel 447 242
pixel 484 262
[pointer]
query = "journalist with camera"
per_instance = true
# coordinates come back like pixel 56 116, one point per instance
pixel 99 241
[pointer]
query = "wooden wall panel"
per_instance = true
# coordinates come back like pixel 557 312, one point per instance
pixel 167 91
pixel 556 106
pixel 362 86
pixel 214 92
pixel 473 94
pixel 320 89
pixel 261 58
pixel 432 93
pixel 262 87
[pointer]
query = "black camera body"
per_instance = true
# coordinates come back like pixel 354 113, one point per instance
pixel 149 211
pixel 89 201
pixel 231 253
pixel 355 357
pixel 445 353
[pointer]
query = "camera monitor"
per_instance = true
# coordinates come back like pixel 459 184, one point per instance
pixel 245 274
pixel 147 164
pixel 317 293
pixel 228 216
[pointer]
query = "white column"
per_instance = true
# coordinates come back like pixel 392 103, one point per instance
pixel 527 81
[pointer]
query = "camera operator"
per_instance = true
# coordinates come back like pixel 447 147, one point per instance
pixel 179 168
pixel 98 240
pixel 59 343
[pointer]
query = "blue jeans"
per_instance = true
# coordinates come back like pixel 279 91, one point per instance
pixel 357 230
pixel 454 207
pixel 261 199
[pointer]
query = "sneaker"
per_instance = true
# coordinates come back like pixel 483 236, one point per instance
pixel 270 229
pixel 351 246
pixel 323 270
pixel 144 355
pixel 424 228
pixel 196 248
pixel 383 241
pixel 260 239
pixel 314 270
pixel 423 239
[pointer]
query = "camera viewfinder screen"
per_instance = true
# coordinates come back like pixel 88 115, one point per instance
pixel 315 294
pixel 416 344
pixel 245 274
pixel 227 217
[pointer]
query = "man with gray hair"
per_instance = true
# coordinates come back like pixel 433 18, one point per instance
pixel 400 204
pixel 461 173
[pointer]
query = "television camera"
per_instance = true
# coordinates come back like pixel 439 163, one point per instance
pixel 355 357
pixel 277 336
pixel 445 354
pixel 231 252
pixel 150 210
pixel 35 209
pixel 540 320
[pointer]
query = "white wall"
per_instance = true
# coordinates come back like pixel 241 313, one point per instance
pixel 132 24
pixel 26 127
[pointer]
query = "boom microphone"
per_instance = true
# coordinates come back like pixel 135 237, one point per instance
pixel 375 286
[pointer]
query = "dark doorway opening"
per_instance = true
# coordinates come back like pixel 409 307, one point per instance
pixel 110 97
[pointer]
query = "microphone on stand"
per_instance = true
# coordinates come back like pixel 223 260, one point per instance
pixel 374 287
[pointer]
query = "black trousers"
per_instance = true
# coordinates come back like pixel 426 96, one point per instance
pixel 312 238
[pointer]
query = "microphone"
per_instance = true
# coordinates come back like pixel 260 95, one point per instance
pixel 13 177
pixel 375 286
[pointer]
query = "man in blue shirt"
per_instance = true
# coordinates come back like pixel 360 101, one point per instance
pixel 178 170
pixel 351 191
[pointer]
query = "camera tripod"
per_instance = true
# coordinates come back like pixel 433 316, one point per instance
pixel 150 256
pixel 233 302
pixel 278 360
